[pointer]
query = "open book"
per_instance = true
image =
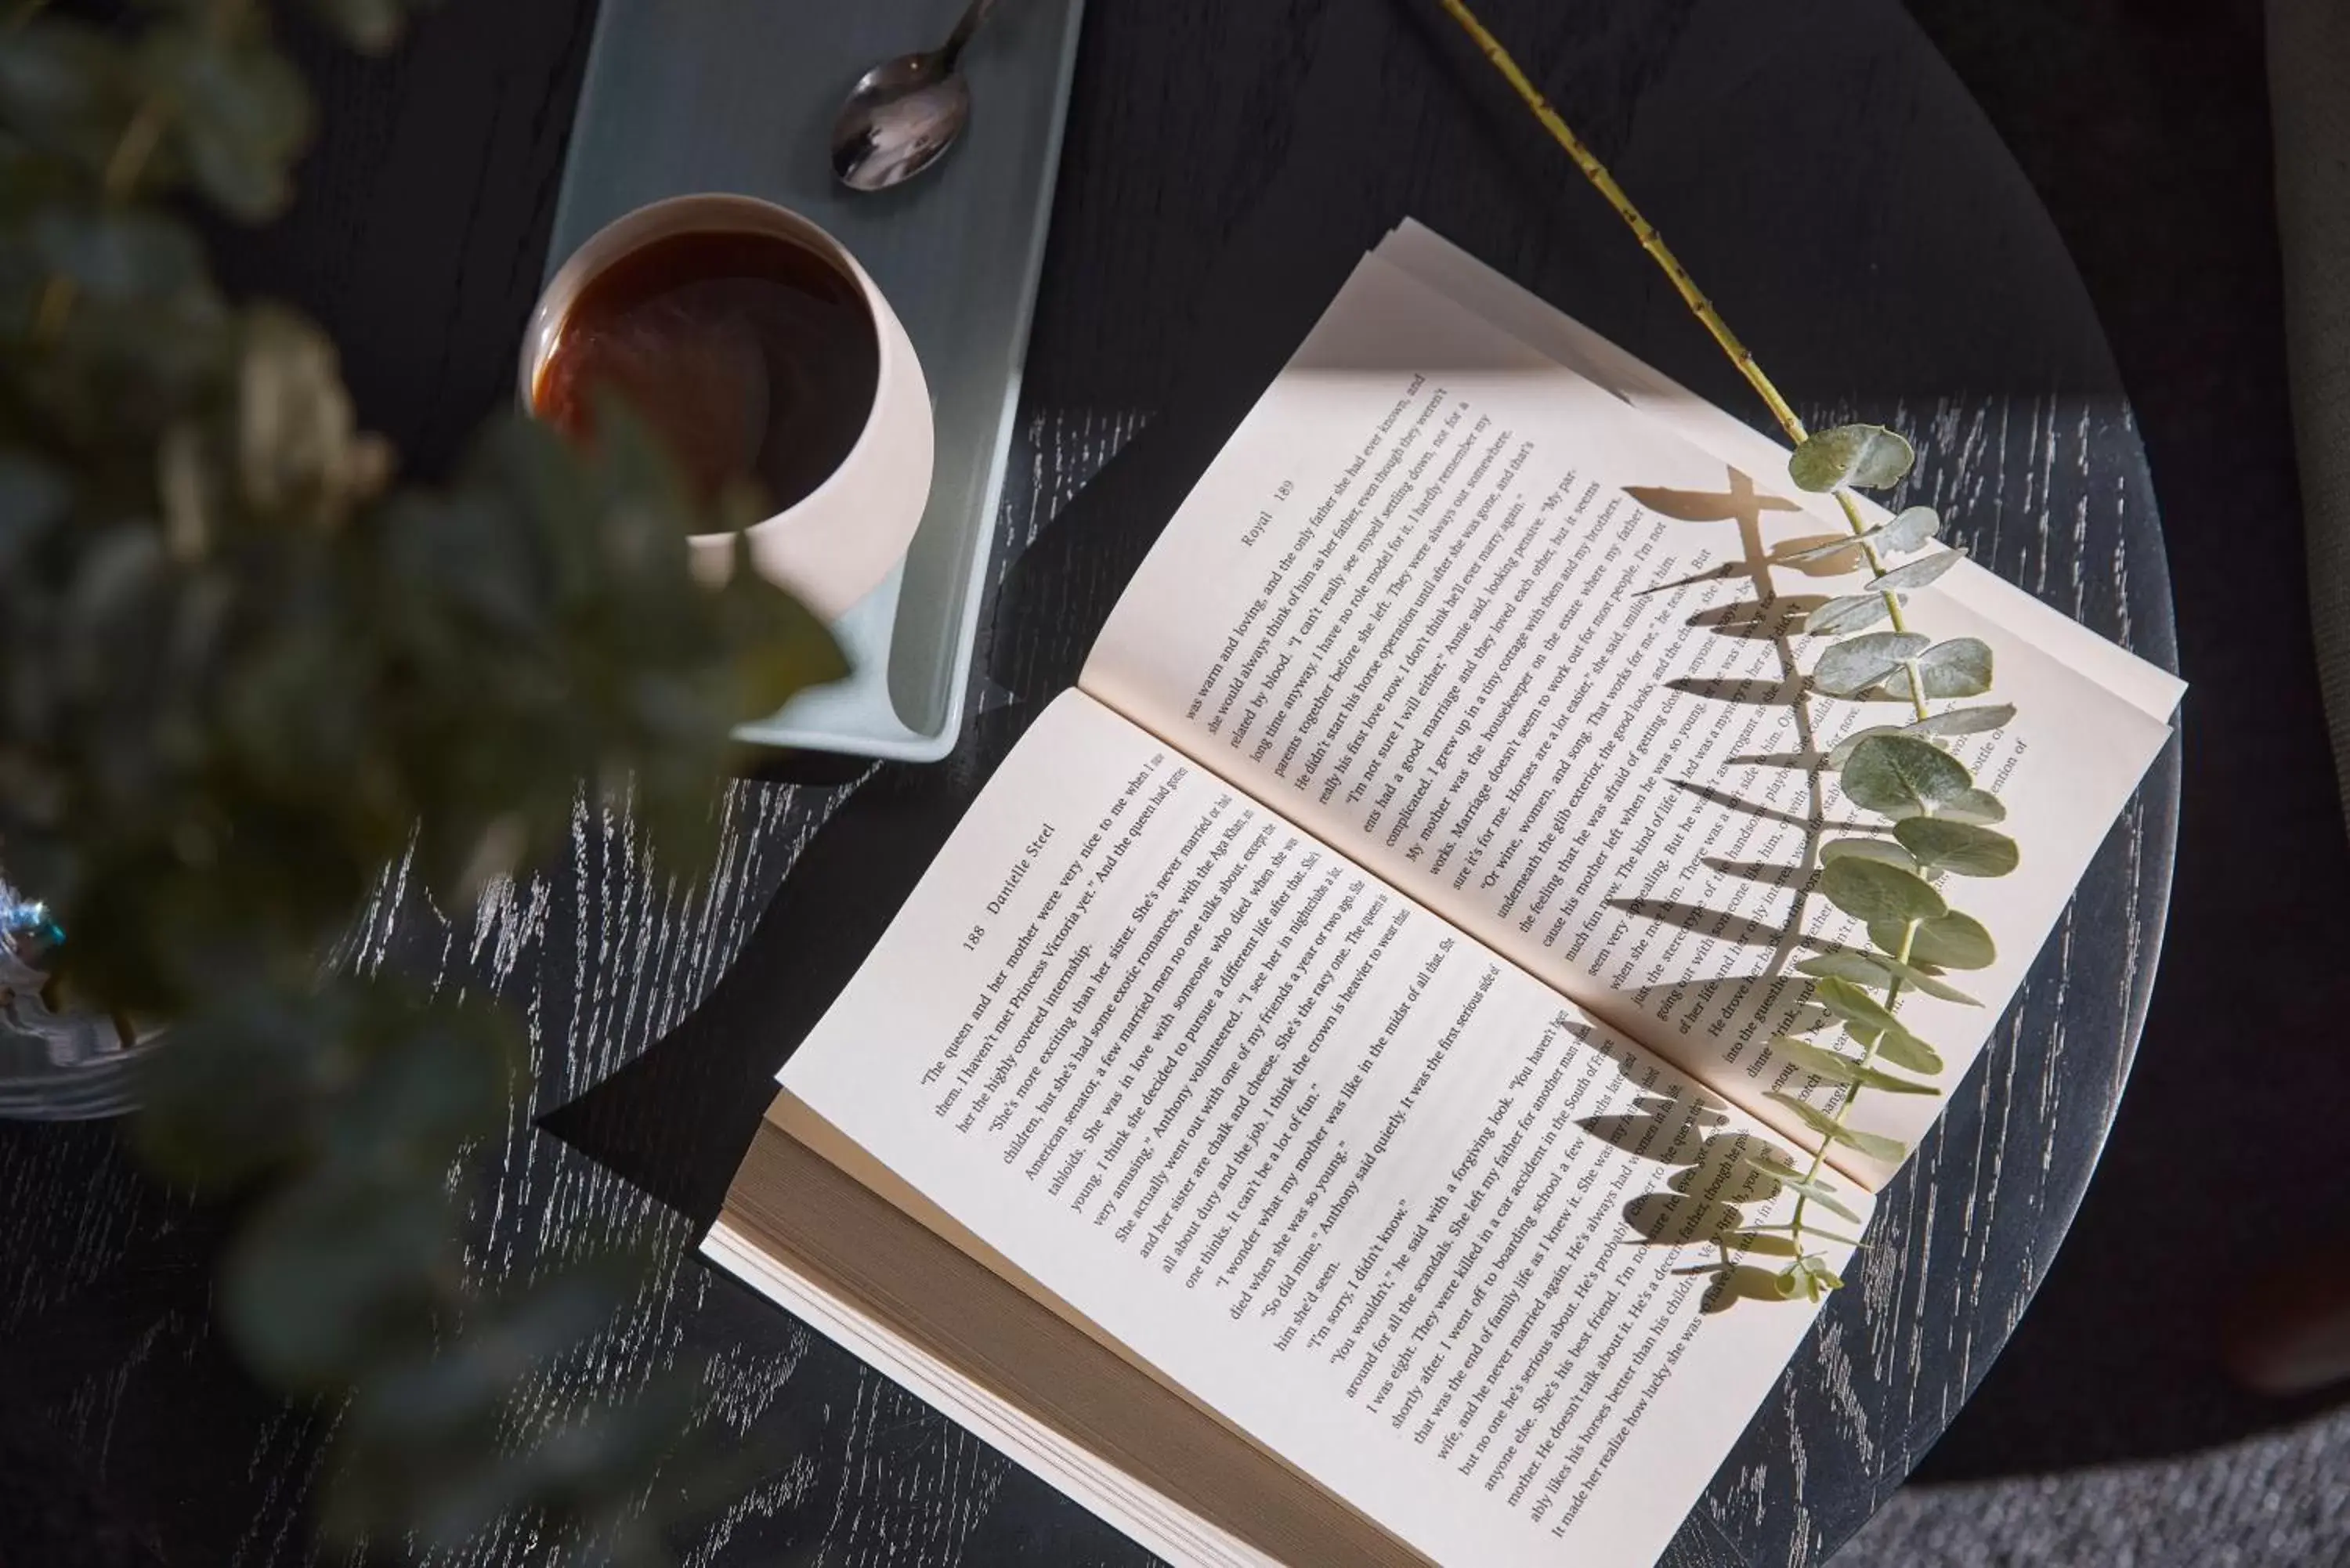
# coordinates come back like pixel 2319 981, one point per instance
pixel 1297 1113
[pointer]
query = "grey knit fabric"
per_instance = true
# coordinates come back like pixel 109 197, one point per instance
pixel 2280 1499
pixel 2309 95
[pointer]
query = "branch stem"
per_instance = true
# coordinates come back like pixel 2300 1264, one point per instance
pixel 117 184
pixel 1642 230
pixel 1686 285
pixel 136 145
pixel 1851 1092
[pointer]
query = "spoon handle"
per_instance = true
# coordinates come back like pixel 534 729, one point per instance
pixel 973 15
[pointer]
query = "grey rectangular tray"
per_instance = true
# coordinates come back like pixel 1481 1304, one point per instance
pixel 739 95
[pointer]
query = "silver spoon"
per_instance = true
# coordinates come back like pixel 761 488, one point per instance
pixel 901 115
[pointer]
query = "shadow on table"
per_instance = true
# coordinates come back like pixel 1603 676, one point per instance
pixel 677 1120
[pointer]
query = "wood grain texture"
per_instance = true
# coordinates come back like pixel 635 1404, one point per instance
pixel 1226 161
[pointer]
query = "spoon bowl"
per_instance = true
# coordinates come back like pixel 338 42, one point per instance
pixel 897 121
pixel 903 113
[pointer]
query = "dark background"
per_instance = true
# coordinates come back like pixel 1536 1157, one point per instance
pixel 2142 125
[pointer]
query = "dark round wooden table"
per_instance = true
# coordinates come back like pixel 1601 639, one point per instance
pixel 1816 164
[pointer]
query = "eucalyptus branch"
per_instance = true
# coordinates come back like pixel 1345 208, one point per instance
pixel 1940 821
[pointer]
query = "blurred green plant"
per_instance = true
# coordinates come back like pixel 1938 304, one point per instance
pixel 241 673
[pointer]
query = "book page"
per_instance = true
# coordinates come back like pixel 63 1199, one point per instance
pixel 1445 267
pixel 976 1342
pixel 1344 1176
pixel 1516 646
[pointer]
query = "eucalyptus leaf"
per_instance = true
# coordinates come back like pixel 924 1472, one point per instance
pixel 117 256
pixel 1819 1191
pixel 1880 970
pixel 436 1079
pixel 1869 457
pixel 434 1393
pixel 241 1088
pixel 1958 668
pixel 1841 753
pixel 1954 940
pixel 1903 776
pixel 1870 889
pixel 1789 1227
pixel 787 648
pixel 1964 721
pixel 1917 574
pixel 67 89
pixel 1854 1004
pixel 1838 1068
pixel 34 499
pixel 1976 805
pixel 1828 549
pixel 1911 527
pixel 1899 1047
pixel 1854 612
pixel 1876 1145
pixel 1933 985
pixel 1808 1276
pixel 1891 854
pixel 1856 664
pixel 438 1483
pixel 243 114
pixel 1794 1235
pixel 1775 1168
pixel 1859 968
pixel 1872 1025
pixel 1823 1195
pixel 1942 845
pixel 326 1276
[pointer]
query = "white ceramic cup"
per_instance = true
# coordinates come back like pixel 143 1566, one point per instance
pixel 836 544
